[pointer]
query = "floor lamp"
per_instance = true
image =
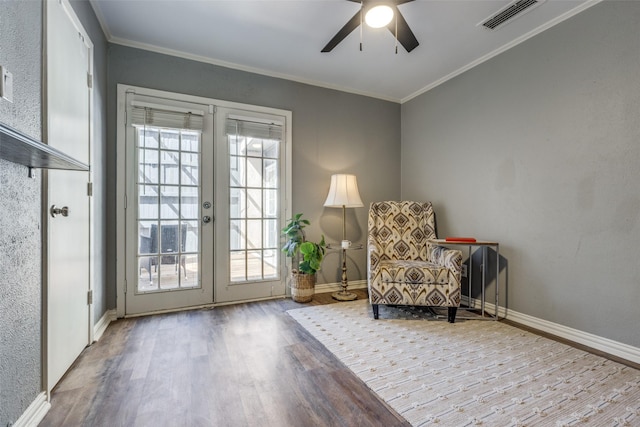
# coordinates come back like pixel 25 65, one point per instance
pixel 343 193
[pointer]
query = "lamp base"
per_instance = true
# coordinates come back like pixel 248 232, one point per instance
pixel 344 296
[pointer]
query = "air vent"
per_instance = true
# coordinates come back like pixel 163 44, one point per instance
pixel 511 11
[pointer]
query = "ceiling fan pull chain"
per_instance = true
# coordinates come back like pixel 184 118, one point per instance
pixel 361 9
pixel 396 16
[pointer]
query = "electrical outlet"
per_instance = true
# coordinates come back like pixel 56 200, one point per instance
pixel 464 270
pixel 6 84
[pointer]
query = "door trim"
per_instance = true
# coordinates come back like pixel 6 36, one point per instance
pixel 46 387
pixel 121 183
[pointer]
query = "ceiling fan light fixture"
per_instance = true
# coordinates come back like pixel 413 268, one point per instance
pixel 379 16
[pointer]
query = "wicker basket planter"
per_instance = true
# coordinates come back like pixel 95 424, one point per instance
pixel 302 286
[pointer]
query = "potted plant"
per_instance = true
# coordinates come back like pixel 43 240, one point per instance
pixel 307 256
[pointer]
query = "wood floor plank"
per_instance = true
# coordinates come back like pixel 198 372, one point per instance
pixel 241 365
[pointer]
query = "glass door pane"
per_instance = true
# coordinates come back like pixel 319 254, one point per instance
pixel 253 189
pixel 168 209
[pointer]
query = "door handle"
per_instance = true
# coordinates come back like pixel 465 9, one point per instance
pixel 57 211
pixel 206 219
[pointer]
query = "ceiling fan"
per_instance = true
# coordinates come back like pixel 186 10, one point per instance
pixel 394 21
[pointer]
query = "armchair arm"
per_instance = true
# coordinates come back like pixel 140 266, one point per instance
pixel 450 258
pixel 374 254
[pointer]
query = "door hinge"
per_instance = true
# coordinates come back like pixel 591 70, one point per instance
pixel 90 80
pixel 90 297
pixel 89 188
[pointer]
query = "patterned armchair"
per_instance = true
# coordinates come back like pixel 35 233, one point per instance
pixel 403 267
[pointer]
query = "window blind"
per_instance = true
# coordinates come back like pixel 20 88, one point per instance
pixel 144 115
pixel 254 129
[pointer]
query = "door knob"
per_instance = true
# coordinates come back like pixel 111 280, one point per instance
pixel 57 211
pixel 206 219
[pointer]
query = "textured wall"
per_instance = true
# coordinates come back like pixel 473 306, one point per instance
pixel 539 149
pixel 333 132
pixel 20 275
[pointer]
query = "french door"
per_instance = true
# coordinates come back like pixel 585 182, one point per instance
pixel 251 178
pixel 169 150
pixel 205 190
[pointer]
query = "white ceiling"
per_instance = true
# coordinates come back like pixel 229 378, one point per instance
pixel 283 38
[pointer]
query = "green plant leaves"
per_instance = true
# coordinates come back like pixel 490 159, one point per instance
pixel 307 248
pixel 297 246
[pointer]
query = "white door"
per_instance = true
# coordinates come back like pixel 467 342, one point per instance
pixel 250 180
pixel 68 66
pixel 170 205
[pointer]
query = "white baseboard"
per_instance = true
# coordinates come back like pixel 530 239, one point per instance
pixel 334 287
pixel 34 413
pixel 99 328
pixel 614 348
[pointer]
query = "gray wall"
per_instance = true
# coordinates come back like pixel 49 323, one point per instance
pixel 20 196
pixel 20 243
pixel 539 148
pixel 333 132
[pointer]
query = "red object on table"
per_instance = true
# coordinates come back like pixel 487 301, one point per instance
pixel 461 239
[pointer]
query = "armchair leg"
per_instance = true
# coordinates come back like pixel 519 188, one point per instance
pixel 375 310
pixel 451 314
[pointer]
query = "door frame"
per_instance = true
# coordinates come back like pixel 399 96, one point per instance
pixel 121 176
pixel 45 189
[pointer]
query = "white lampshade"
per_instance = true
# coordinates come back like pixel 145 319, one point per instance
pixel 343 192
pixel 378 16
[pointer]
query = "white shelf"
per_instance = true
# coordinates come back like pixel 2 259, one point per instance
pixel 19 148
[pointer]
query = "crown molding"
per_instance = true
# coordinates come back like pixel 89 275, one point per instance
pixel 240 67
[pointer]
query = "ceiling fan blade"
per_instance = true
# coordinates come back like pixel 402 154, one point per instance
pixel 398 2
pixel 405 36
pixel 344 32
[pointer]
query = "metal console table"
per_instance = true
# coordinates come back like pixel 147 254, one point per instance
pixel 484 244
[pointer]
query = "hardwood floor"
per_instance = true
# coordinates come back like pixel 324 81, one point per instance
pixel 242 365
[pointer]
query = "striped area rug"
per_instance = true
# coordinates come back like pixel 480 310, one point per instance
pixel 473 372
